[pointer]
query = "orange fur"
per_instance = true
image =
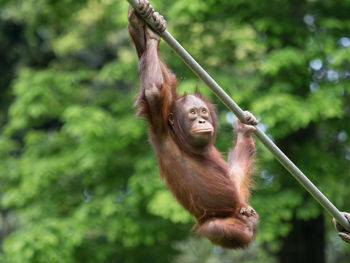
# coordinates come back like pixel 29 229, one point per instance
pixel 213 191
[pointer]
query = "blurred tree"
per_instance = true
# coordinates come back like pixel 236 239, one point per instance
pixel 79 181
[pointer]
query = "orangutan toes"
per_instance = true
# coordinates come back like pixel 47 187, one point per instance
pixel 247 211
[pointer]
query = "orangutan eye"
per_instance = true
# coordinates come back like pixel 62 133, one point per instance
pixel 204 111
pixel 193 111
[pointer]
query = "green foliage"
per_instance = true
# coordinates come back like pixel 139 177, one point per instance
pixel 79 180
pixel 163 205
pixel 281 59
pixel 40 243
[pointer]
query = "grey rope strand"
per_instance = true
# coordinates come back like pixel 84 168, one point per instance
pixel 219 92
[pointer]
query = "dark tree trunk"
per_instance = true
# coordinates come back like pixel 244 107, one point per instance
pixel 305 243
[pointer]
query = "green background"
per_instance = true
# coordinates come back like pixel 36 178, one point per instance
pixel 78 179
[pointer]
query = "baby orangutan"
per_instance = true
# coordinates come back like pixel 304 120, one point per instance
pixel 182 133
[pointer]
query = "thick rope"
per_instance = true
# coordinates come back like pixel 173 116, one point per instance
pixel 230 104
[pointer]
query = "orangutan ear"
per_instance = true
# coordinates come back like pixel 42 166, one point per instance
pixel 171 119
